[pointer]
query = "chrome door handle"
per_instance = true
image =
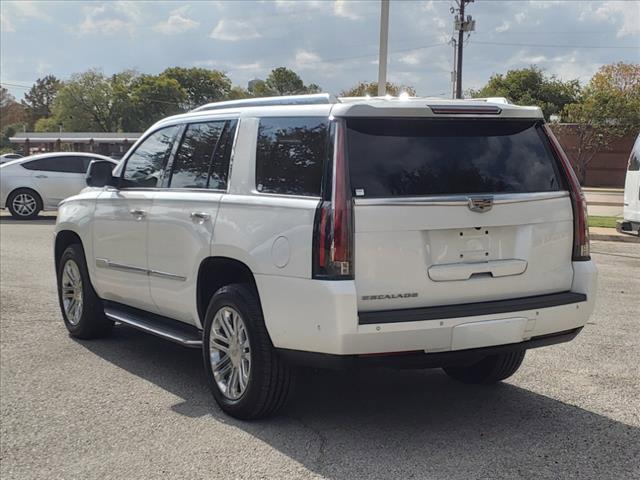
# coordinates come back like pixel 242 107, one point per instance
pixel 41 176
pixel 200 217
pixel 139 214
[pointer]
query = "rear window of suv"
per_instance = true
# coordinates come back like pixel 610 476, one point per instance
pixel 416 157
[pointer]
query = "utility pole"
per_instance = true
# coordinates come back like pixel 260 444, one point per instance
pixel 384 41
pixel 454 43
pixel 462 25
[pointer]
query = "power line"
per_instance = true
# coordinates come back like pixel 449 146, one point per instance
pixel 542 45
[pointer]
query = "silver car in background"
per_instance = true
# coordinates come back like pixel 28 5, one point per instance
pixel 39 182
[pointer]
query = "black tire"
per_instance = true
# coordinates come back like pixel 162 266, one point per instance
pixel 29 196
pixel 90 322
pixel 491 369
pixel 269 378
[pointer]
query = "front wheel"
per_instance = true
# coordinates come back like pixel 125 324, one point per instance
pixel 491 369
pixel 82 309
pixel 246 376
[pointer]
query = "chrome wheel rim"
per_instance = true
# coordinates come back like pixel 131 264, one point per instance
pixel 230 353
pixel 72 300
pixel 24 204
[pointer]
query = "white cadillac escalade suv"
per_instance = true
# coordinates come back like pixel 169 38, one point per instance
pixel 310 230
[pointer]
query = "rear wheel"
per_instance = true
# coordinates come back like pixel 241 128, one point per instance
pixel 246 376
pixel 24 204
pixel 81 307
pixel 491 369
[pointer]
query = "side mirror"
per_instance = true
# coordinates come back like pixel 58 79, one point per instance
pixel 99 174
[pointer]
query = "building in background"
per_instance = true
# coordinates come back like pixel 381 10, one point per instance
pixel 109 144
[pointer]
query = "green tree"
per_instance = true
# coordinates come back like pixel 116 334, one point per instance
pixel 48 124
pixel 609 109
pixel 153 98
pixel 10 110
pixel 91 101
pixel 282 81
pixel 237 93
pixel 38 100
pixel 87 103
pixel 363 89
pixel 531 86
pixel 200 84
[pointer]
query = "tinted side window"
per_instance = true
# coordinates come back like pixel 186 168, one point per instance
pixel 194 158
pixel 57 164
pixel 634 161
pixel 145 166
pixel 290 155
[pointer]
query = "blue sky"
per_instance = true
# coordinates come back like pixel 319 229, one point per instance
pixel 331 43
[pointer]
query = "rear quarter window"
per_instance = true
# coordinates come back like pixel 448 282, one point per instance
pixel 416 157
pixel 290 155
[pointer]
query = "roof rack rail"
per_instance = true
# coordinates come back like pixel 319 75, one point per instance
pixel 311 99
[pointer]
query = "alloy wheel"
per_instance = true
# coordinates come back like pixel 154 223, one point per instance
pixel 72 296
pixel 230 352
pixel 24 204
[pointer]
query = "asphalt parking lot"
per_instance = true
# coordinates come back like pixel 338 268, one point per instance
pixel 133 406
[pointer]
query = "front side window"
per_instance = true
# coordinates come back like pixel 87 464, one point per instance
pixel 200 160
pixel 145 166
pixel 57 164
pixel 291 154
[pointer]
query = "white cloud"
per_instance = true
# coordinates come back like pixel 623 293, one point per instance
pixel 533 59
pixel 292 5
pixel 178 22
pixel 234 30
pixel 5 24
pixel 613 12
pixel 413 58
pixel 305 58
pixel 506 25
pixel 111 18
pixel 342 8
pixel 30 10
pixel 43 67
pixel 520 17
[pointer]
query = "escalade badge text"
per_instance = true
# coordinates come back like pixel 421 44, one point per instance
pixel 480 204
pixel 390 296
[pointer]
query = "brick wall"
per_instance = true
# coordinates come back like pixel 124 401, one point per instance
pixel 609 167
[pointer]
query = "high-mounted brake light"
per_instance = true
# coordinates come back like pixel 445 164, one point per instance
pixel 333 226
pixel 581 250
pixel 465 109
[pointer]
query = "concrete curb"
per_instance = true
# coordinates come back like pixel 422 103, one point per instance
pixel 614 238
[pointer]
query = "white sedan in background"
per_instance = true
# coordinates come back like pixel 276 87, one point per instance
pixel 40 182
pixel 7 157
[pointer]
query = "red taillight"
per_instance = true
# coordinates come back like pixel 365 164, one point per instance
pixel 333 229
pixel 465 109
pixel 581 251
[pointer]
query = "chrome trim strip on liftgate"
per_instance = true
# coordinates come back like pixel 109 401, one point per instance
pixel 463 200
pixel 104 263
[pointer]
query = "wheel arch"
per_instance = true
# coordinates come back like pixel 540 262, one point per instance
pixel 63 239
pixel 216 272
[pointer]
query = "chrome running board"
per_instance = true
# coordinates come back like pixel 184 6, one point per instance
pixel 172 330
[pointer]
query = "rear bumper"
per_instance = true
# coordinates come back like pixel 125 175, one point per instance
pixel 322 317
pixel 420 359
